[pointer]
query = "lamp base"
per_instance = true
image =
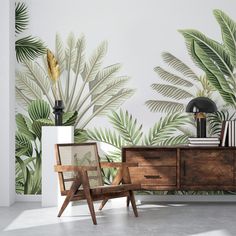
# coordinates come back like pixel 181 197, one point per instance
pixel 201 127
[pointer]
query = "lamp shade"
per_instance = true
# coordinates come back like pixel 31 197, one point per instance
pixel 201 104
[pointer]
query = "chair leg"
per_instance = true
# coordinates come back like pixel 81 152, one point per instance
pixel 64 205
pixel 91 206
pixel 132 199
pixel 127 201
pixel 103 203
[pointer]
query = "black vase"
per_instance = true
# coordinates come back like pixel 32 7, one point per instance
pixel 58 111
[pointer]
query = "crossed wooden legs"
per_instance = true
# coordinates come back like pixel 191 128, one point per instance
pixel 123 175
pixel 74 187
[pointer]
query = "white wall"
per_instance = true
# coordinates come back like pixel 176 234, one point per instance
pixel 7 101
pixel 137 32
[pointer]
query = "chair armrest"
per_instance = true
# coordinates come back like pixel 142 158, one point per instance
pixel 68 168
pixel 117 164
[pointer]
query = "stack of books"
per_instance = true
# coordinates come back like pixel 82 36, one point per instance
pixel 228 133
pixel 204 142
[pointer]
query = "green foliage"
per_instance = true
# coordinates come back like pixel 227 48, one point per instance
pixel 38 109
pixel 216 59
pixel 90 89
pixel 127 127
pixel 177 86
pixel 28 145
pixel 215 121
pixel 27 48
pixel 165 129
pixel 21 18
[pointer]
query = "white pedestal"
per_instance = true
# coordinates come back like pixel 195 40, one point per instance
pixel 50 136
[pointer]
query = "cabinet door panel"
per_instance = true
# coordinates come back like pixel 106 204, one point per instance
pixel 207 167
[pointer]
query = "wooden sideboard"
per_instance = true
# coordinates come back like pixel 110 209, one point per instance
pixel 182 168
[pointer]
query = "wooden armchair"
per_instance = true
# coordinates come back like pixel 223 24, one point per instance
pixel 79 172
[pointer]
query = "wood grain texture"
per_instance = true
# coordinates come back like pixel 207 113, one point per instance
pixel 182 168
pixel 154 175
pixel 207 167
pixel 158 157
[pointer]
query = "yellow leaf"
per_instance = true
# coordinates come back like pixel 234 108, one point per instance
pixel 53 67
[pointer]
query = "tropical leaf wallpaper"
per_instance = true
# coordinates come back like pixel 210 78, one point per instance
pixel 91 86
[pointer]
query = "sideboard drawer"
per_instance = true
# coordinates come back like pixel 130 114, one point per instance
pixel 162 157
pixel 153 175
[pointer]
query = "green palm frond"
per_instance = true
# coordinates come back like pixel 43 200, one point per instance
pixel 38 75
pixel 23 145
pixel 69 118
pixel 165 128
pixel 91 69
pixel 80 136
pixel 109 89
pixel 175 140
pixel 105 136
pixel 80 55
pixel 112 103
pixel 23 127
pixel 164 106
pixel 21 99
pixel 39 109
pixel 70 55
pixel 60 52
pixel 21 17
pixel 178 65
pixel 103 77
pixel 38 124
pixel 27 86
pixel 127 127
pixel 172 78
pixel 171 91
pixel 215 51
pixel 214 75
pixel 215 121
pixel 28 48
pixel 228 32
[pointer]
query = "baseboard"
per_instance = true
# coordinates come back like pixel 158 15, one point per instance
pixel 186 198
pixel 28 198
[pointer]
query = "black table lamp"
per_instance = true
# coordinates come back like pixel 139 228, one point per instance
pixel 199 106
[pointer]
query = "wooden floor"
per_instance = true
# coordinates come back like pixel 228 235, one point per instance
pixel 199 219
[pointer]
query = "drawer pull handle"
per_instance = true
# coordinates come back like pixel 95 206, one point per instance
pixel 152 176
pixel 154 157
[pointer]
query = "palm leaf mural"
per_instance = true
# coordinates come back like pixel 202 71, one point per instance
pixel 216 59
pixel 90 89
pixel 166 129
pixel 215 120
pixel 21 18
pixel 127 131
pixel 171 91
pixel 28 144
pixel 127 127
pixel 29 47
pixel 164 106
pixel 228 30
pixel 177 86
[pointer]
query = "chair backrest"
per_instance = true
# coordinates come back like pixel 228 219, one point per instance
pixel 83 154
